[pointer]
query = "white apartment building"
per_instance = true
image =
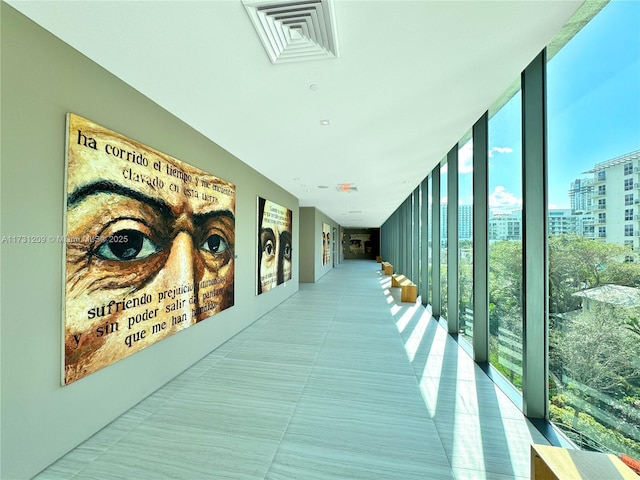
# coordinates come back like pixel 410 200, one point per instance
pixel 505 226
pixel 615 199
pixel 561 222
pixel 604 206
pixel 508 226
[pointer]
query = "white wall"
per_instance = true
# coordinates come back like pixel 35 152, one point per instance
pixel 42 80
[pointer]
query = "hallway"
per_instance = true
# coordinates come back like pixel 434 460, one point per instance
pixel 341 381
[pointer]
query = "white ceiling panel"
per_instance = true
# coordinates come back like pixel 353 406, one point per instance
pixel 404 81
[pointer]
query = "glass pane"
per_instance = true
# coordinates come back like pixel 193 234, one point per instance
pixel 505 237
pixel 415 240
pixel 429 241
pixel 420 247
pixel 465 237
pixel 443 240
pixel 594 268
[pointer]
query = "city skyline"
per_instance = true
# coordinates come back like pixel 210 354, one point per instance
pixel 597 71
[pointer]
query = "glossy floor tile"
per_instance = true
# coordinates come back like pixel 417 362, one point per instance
pixel 341 381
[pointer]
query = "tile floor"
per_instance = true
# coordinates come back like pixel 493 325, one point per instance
pixel 341 381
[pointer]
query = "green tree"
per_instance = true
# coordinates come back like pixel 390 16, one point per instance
pixel 632 324
pixel 465 294
pixel 623 273
pixel 576 263
pixel 595 363
pixel 595 349
pixel 505 286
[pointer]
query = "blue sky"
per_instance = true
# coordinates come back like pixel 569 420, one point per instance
pixel 593 101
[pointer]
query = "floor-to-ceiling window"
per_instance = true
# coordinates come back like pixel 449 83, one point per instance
pixel 592 199
pixel 429 201
pixel 443 239
pixel 594 232
pixel 505 235
pixel 415 240
pixel 465 236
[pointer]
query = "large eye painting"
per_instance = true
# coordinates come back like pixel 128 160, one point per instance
pixel 274 245
pixel 150 249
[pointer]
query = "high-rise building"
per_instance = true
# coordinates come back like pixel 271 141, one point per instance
pixel 465 222
pixel 581 195
pixel 615 197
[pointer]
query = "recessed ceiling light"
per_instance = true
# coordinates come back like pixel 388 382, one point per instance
pixel 325 122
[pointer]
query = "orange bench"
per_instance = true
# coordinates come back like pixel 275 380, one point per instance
pixel 556 463
pixel 396 279
pixel 409 291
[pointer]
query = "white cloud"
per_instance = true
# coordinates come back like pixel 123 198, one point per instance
pixel 494 150
pixel 502 200
pixel 465 158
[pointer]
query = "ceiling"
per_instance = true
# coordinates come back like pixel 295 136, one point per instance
pixel 409 80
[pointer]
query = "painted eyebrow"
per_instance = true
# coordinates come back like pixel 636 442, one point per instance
pixel 200 219
pixel 266 234
pixel 105 186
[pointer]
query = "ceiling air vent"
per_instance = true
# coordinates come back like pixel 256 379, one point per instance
pixel 294 31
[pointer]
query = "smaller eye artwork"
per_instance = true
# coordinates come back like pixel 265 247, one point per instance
pixel 326 244
pixel 274 245
pixel 149 247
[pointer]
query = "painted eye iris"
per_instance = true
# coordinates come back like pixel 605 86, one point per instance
pixel 268 247
pixel 127 245
pixel 214 244
pixel 287 251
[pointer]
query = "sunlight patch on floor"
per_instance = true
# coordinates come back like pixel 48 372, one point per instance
pixel 415 339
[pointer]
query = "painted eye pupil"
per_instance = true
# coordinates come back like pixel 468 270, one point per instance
pixel 269 248
pixel 126 245
pixel 213 242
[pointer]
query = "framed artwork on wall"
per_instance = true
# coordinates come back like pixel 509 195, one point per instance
pixel 149 247
pixel 326 244
pixel 275 240
pixel 360 243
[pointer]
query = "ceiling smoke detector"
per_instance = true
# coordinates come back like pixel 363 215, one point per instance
pixel 294 31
